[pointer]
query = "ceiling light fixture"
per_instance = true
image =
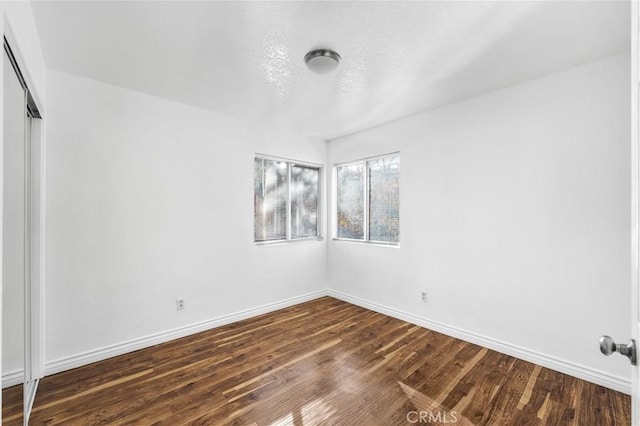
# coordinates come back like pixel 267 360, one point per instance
pixel 322 61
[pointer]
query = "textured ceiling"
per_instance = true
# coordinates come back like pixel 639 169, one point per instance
pixel 245 59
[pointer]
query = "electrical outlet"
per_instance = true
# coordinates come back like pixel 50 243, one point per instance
pixel 180 304
pixel 423 296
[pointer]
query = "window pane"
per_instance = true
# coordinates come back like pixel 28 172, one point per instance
pixel 351 201
pixel 384 199
pixel 270 200
pixel 304 201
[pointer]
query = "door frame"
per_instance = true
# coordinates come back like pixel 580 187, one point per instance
pixel 36 214
pixel 635 197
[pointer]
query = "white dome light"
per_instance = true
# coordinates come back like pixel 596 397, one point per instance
pixel 322 61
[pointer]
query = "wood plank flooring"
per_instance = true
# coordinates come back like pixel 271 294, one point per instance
pixel 321 362
pixel 12 405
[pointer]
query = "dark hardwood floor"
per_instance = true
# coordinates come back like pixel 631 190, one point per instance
pixel 12 406
pixel 321 362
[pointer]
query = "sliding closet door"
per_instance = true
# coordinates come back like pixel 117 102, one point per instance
pixel 14 271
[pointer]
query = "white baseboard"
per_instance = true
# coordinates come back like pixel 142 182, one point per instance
pixel 74 361
pixel 602 378
pixel 591 375
pixel 12 378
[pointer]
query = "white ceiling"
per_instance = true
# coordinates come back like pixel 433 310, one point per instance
pixel 245 59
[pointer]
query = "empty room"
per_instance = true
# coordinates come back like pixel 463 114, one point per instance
pixel 320 212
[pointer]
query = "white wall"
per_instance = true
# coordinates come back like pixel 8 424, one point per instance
pixel 13 224
pixel 515 218
pixel 20 29
pixel 150 200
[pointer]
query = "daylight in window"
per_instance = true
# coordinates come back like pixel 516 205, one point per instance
pixel 286 200
pixel 368 200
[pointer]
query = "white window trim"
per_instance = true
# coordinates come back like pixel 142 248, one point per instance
pixel 291 162
pixel 334 204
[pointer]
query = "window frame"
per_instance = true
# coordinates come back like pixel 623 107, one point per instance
pixel 290 163
pixel 367 200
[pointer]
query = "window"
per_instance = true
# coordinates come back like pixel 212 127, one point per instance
pixel 286 200
pixel 368 200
